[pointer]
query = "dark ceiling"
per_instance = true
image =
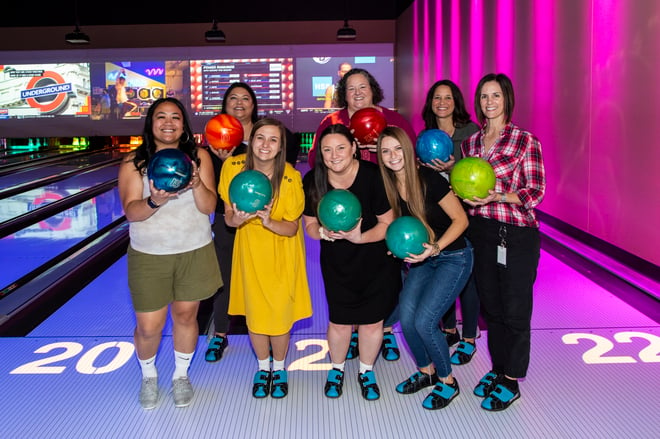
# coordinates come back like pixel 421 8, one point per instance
pixel 128 12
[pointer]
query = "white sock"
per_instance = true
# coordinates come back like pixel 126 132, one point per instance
pixel 365 367
pixel 264 364
pixel 148 367
pixel 339 366
pixel 181 364
pixel 278 365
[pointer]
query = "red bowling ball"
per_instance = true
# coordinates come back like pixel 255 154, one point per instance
pixel 223 131
pixel 366 125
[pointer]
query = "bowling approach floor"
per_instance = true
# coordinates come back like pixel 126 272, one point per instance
pixel 594 370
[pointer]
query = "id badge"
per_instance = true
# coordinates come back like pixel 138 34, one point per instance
pixel 501 255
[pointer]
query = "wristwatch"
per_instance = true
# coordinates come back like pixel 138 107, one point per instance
pixel 151 203
pixel 503 199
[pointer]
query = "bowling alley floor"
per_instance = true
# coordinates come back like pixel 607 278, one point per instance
pixel 594 370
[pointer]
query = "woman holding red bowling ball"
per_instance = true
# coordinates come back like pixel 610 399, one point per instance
pixel 361 281
pixel 268 274
pixel 239 101
pixel 356 90
pixel 171 258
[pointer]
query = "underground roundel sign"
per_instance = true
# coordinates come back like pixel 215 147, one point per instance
pixel 48 93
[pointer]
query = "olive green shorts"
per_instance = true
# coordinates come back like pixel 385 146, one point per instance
pixel 155 281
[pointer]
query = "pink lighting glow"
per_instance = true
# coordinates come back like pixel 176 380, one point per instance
pixel 476 42
pixel 586 83
pixel 506 26
pixel 455 40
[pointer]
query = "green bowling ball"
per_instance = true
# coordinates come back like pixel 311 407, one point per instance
pixel 250 190
pixel 472 177
pixel 405 235
pixel 339 210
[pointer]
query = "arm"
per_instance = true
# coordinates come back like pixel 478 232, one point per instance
pixel 329 92
pixel 280 227
pixel 534 174
pixel 312 227
pixel 203 182
pixel 374 234
pixel 135 205
pixel 459 223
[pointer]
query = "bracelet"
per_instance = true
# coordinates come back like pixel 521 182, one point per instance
pixel 324 236
pixel 151 203
pixel 436 249
pixel 503 199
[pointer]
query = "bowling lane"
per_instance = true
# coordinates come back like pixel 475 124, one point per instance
pixel 27 249
pixel 23 251
pixel 51 169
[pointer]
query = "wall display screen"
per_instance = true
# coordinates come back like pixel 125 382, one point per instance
pixel 126 89
pixel 316 79
pixel 44 90
pixel 270 78
pixel 110 93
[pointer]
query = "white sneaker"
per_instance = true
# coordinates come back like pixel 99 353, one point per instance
pixel 149 393
pixel 182 391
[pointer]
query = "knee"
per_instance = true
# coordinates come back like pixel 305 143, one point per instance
pixel 149 330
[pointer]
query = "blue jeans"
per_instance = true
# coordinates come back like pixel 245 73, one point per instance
pixel 431 287
pixel 469 300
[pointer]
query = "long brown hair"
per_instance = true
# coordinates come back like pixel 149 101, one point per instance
pixel 280 158
pixel 415 186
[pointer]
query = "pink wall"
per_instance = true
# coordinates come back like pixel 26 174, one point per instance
pixel 586 78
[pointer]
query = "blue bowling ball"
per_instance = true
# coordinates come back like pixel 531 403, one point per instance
pixel 339 210
pixel 434 144
pixel 250 190
pixel 405 235
pixel 170 169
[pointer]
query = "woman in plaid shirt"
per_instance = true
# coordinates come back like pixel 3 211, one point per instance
pixel 504 231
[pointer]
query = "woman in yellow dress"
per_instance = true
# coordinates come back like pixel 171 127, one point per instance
pixel 269 276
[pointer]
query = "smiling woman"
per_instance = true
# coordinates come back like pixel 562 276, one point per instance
pixel 359 90
pixel 171 258
pixel 361 281
pixel 271 292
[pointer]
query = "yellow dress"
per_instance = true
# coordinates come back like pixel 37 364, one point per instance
pixel 269 275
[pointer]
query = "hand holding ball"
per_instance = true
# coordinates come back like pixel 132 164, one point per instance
pixel 339 210
pixel 366 125
pixel 250 190
pixel 224 131
pixel 406 235
pixel 472 177
pixel 170 169
pixel 434 144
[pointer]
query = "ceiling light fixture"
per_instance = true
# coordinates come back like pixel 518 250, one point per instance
pixel 77 36
pixel 215 35
pixel 346 32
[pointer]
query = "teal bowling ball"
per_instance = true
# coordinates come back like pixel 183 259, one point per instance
pixel 170 169
pixel 250 190
pixel 433 144
pixel 339 210
pixel 405 235
pixel 472 177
